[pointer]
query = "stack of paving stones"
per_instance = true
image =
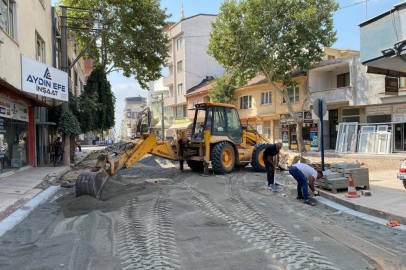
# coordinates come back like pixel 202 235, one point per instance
pixel 339 175
pixel 317 165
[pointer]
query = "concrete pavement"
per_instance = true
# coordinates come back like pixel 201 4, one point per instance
pixel 388 198
pixel 19 188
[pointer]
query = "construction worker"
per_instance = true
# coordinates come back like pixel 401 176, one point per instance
pixel 269 153
pixel 305 176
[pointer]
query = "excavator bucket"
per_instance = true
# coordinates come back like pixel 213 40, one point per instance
pixel 91 183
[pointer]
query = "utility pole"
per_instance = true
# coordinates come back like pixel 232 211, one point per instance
pixel 64 62
pixel 366 10
pixel 162 117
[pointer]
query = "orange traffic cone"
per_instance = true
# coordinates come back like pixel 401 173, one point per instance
pixel 352 192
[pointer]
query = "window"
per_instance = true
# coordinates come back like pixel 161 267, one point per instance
pixel 194 103
pixel 293 94
pixel 179 44
pixel 81 87
pixel 128 114
pixel 40 49
pixel 179 66
pixel 180 89
pixel 7 17
pixel 245 102
pixel 350 115
pixel 343 80
pixel 330 57
pixel 185 111
pixel 233 125
pixel 266 97
pixel 401 82
pixel 219 126
pixel 178 112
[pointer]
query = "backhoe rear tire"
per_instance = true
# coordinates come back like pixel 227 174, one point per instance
pixel 223 158
pixel 195 165
pixel 257 162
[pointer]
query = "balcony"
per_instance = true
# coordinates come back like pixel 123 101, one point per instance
pixel 169 101
pixel 181 99
pixel 168 80
pixel 331 96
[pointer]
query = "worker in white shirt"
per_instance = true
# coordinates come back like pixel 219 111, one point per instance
pixel 305 176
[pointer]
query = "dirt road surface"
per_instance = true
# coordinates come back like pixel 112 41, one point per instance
pixel 154 217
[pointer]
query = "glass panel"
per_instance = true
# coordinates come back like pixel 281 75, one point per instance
pixel 219 126
pixel 11 21
pixel 296 94
pixel 184 110
pixel 399 137
pixel 350 112
pixel 234 129
pixel 3 11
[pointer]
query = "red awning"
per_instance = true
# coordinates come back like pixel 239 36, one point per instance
pixel 13 93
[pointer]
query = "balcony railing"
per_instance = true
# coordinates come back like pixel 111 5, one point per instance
pixel 168 80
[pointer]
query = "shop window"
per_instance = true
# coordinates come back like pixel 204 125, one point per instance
pixel 179 44
pixel 40 49
pixel 343 80
pixel 180 89
pixel 7 10
pixel 293 93
pixel 266 97
pixel 179 66
pixel 245 102
pixel 350 115
pixel 402 83
pixel 13 145
pixel 379 119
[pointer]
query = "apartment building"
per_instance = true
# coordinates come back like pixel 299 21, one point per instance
pixel 133 107
pixel 188 63
pixel 263 109
pixel 156 94
pixel 362 113
pixel 28 82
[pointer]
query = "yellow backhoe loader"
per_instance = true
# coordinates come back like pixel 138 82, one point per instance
pixel 217 137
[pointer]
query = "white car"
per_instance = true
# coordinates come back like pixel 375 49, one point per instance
pixel 402 173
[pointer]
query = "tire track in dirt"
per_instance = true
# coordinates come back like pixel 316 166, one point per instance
pixel 147 243
pixel 255 227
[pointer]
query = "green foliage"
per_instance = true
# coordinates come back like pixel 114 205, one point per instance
pixel 68 124
pixel 274 37
pixel 155 121
pixel 222 91
pixel 97 103
pixel 132 41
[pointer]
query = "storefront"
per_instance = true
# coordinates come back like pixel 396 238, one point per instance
pixel 289 132
pixel 17 128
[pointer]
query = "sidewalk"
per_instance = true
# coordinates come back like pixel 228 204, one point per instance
pixel 388 200
pixel 20 187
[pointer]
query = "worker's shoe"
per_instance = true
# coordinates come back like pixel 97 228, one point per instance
pixel 309 203
pixel 299 197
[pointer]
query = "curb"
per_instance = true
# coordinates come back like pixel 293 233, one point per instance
pixel 12 220
pixel 333 206
pixel 364 209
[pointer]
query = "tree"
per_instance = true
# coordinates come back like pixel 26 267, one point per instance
pixel 223 89
pixel 274 37
pixel 132 40
pixel 97 103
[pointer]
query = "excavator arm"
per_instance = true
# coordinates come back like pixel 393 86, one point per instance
pixel 93 182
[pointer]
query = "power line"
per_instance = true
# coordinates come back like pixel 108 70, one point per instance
pixel 357 3
pixel 187 71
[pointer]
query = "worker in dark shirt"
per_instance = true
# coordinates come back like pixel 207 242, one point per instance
pixel 269 154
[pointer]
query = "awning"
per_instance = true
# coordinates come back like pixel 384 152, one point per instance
pixel 181 125
pixel 16 94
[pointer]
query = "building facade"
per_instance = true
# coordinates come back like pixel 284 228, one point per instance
pixel 28 82
pixel 188 63
pixel 133 107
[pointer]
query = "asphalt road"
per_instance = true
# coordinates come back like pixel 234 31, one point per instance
pixel 187 221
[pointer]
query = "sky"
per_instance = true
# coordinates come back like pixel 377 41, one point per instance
pixel 346 21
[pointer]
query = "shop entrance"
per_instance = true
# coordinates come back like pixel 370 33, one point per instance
pixel 399 137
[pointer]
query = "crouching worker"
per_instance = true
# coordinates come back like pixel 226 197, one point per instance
pixel 305 176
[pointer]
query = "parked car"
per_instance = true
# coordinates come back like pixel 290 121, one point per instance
pixel 402 173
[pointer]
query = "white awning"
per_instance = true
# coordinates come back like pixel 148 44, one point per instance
pixel 181 125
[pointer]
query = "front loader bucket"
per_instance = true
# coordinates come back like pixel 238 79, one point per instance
pixel 91 183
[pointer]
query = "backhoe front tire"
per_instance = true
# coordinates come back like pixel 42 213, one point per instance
pixel 257 161
pixel 223 158
pixel 195 165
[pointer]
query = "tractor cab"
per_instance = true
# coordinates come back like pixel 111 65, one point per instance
pixel 219 119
